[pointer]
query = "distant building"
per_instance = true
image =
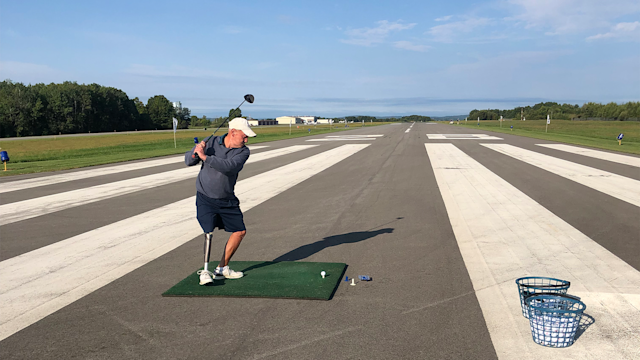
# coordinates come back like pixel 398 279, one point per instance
pixel 325 121
pixel 284 120
pixel 308 119
pixel 253 122
pixel 177 105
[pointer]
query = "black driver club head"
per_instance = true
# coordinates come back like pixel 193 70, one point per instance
pixel 249 98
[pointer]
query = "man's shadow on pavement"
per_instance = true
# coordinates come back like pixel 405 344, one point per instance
pixel 305 251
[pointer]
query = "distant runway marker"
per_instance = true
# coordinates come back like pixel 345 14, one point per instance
pixel 620 187
pixel 462 137
pixel 348 138
pixel 31 208
pixel 503 234
pixel 409 129
pixel 40 282
pixel 356 136
pixel 602 155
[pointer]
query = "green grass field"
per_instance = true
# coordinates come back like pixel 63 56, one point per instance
pixel 597 134
pixel 61 153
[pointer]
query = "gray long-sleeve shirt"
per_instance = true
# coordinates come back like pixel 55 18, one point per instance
pixel 219 173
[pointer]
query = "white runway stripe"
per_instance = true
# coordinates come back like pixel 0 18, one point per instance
pixel 45 280
pixel 620 187
pixel 409 129
pixel 342 139
pixel 503 234
pixel 89 173
pixel 84 174
pixel 602 155
pixel 462 137
pixel 347 137
pixel 22 210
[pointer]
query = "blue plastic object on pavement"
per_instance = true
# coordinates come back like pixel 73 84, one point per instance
pixel 346 278
pixel 532 285
pixel 364 278
pixel 554 319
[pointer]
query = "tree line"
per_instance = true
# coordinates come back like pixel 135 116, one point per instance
pixel 612 110
pixel 67 108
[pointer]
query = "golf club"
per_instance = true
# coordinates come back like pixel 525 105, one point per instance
pixel 248 98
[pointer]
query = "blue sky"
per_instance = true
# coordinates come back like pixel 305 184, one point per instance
pixel 332 58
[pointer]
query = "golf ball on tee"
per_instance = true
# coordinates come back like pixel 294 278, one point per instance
pixel 322 273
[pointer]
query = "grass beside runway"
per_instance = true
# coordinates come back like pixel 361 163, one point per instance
pixel 62 153
pixel 597 134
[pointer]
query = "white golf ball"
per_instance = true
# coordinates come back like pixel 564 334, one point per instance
pixel 323 273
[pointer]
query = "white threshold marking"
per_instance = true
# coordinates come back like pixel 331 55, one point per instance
pixel 503 235
pixel 409 129
pixel 618 186
pixel 40 282
pixel 342 136
pixel 602 155
pixel 89 173
pixel 344 139
pixel 84 174
pixel 22 210
pixel 462 137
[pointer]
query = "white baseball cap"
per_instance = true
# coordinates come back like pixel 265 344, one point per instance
pixel 241 124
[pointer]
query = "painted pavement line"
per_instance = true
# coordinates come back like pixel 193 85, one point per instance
pixel 40 282
pixel 618 186
pixel 602 155
pixel 342 136
pixel 409 129
pixel 462 137
pixel 503 235
pixel 27 209
pixel 89 173
pixel 343 139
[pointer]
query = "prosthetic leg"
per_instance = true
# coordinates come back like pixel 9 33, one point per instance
pixel 205 274
pixel 207 249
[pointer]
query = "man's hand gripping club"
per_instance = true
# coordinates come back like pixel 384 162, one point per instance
pixel 199 151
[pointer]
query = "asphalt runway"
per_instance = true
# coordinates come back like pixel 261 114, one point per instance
pixel 444 224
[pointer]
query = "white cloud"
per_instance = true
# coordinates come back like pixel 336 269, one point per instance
pixel 408 45
pixel 377 35
pixel 454 30
pixel 444 18
pixel 174 71
pixel 570 16
pixel 621 31
pixel 29 73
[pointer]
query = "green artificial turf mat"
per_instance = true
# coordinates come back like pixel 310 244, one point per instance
pixel 269 279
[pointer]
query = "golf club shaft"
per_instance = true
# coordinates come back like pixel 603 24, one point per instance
pixel 225 120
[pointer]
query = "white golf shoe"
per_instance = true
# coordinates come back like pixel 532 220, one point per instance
pixel 226 273
pixel 206 277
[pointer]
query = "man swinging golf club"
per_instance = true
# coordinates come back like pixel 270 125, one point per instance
pixel 221 158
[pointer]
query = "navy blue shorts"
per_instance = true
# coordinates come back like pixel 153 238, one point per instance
pixel 220 213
